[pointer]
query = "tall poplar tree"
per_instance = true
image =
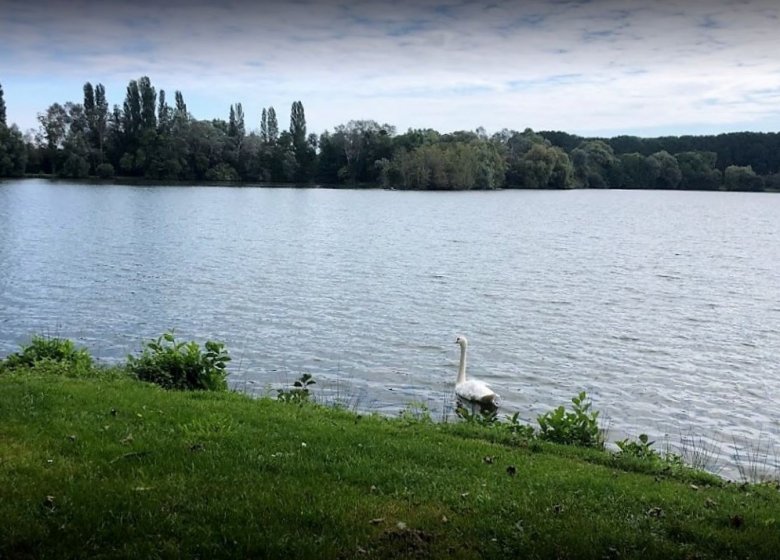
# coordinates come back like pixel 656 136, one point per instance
pixel 101 117
pixel 89 100
pixel 180 113
pixel 298 124
pixel 131 114
pixel 2 108
pixel 264 126
pixel 303 150
pixel 273 126
pixel 148 103
pixel 90 114
pixel 240 124
pixel 163 113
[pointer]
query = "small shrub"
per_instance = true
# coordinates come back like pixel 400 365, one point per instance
pixel 514 426
pixel 482 417
pixel 44 350
pixel 642 448
pixel 222 172
pixel 578 427
pixel 181 365
pixel 416 412
pixel 105 171
pixel 299 393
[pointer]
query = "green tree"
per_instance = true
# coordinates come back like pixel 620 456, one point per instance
pixel 297 124
pixel 139 142
pixel 595 165
pixel 53 127
pixel 264 126
pixel 669 174
pixel 272 125
pixel 698 170
pixel 741 178
pixel 236 126
pixel 470 162
pixel 148 97
pixel 131 116
pixel 164 114
pixel 362 143
pixel 100 118
pixel 516 146
pixel 251 164
pixel 96 114
pixel 13 152
pixel 331 158
pixel 638 171
pixel 75 145
pixel 303 147
pixel 543 167
pixel 3 121
pixel 180 112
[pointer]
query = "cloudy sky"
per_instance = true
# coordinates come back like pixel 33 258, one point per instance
pixel 597 67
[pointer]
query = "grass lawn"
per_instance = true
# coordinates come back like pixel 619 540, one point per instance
pixel 115 468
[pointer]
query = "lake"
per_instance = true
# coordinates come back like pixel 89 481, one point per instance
pixel 663 306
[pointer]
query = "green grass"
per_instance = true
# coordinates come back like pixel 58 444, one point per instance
pixel 109 467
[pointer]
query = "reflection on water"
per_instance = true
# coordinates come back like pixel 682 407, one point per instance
pixel 662 305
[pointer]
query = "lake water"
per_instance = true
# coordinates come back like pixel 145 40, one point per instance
pixel 664 306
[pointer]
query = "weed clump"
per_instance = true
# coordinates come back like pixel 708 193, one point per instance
pixel 181 365
pixel 43 352
pixel 642 448
pixel 299 393
pixel 576 427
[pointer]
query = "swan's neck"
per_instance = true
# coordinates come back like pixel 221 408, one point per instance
pixel 462 368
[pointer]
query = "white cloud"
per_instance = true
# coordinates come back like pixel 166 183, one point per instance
pixel 628 65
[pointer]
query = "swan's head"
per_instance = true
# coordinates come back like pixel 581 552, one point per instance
pixel 462 341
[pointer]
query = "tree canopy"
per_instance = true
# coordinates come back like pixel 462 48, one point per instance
pixel 145 137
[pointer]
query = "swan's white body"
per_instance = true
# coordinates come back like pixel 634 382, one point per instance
pixel 472 390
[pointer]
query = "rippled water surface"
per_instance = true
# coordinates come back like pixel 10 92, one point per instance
pixel 664 306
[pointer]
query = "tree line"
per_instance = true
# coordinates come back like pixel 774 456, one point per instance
pixel 148 137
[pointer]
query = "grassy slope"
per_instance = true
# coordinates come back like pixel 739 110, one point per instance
pixel 137 472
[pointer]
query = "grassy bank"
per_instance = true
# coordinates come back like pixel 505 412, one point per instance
pixel 113 467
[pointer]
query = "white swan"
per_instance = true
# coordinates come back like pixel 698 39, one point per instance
pixel 472 390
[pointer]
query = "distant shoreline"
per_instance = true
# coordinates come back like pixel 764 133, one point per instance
pixel 143 182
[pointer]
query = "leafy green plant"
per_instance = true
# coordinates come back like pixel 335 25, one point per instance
pixel 641 452
pixel 299 393
pixel 415 412
pixel 481 417
pixel 523 431
pixel 181 365
pixel 576 427
pixel 44 350
pixel 642 448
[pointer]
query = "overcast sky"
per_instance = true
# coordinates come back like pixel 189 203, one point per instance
pixel 598 67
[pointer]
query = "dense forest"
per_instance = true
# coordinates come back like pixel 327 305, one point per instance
pixel 148 137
